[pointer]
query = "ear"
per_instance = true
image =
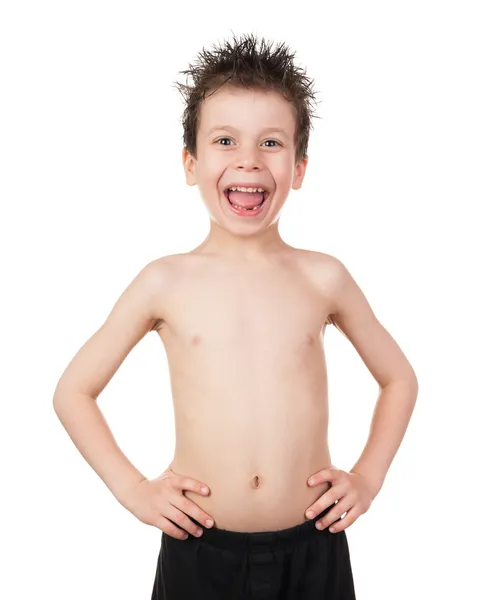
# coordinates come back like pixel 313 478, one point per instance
pixel 189 163
pixel 299 172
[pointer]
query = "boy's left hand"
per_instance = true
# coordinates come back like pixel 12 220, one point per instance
pixel 351 489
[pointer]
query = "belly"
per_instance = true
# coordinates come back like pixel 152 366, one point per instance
pixel 255 454
pixel 251 420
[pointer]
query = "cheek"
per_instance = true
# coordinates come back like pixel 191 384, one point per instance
pixel 208 175
pixel 212 167
pixel 283 172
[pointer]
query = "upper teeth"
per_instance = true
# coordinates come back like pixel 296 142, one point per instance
pixel 243 189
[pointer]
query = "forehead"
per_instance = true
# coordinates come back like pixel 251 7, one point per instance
pixel 246 110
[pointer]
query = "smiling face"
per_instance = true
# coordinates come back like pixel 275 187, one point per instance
pixel 245 136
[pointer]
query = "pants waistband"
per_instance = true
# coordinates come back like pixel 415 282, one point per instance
pixel 261 541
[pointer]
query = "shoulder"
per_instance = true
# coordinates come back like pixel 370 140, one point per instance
pixel 325 272
pixel 154 280
pixel 162 275
pixel 324 269
pixel 164 269
pixel 152 286
pixel 328 274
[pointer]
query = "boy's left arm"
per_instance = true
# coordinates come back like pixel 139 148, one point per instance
pixel 354 318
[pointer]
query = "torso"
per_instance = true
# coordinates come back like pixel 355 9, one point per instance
pixel 246 358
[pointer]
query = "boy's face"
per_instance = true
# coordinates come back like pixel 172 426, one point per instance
pixel 248 154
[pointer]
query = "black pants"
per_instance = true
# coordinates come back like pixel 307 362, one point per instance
pixel 298 563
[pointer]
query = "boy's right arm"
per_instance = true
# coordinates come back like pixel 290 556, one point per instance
pixel 75 399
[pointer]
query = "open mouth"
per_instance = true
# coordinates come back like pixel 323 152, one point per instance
pixel 265 195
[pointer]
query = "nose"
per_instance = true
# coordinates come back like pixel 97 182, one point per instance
pixel 248 159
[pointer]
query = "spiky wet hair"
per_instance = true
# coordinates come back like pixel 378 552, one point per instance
pixel 244 65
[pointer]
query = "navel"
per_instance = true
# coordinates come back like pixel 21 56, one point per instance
pixel 256 481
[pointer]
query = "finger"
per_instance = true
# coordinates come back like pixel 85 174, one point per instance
pixel 323 503
pixel 345 521
pixel 334 514
pixel 180 518
pixel 169 528
pixel 192 509
pixel 187 483
pixel 327 474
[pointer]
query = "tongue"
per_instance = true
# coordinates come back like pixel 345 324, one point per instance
pixel 246 199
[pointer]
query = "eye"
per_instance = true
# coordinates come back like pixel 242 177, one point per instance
pixel 226 138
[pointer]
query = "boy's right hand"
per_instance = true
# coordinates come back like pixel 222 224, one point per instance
pixel 160 502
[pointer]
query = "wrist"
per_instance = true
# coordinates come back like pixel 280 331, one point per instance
pixel 123 492
pixel 374 484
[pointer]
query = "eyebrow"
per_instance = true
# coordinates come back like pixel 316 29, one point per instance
pixel 230 128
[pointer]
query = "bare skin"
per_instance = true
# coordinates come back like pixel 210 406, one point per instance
pixel 242 319
pixel 245 350
pixel 244 342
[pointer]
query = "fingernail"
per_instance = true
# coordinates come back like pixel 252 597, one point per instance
pixel 205 490
pixel 332 529
pixel 209 522
pixel 309 514
pixel 319 525
pixel 311 481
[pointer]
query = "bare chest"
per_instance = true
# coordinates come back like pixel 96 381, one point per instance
pixel 249 316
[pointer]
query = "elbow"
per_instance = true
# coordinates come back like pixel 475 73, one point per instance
pixel 62 399
pixel 58 398
pixel 410 379
pixel 412 385
pixel 58 403
pixel 413 381
pixel 408 383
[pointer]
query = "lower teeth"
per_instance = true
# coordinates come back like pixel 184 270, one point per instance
pixel 247 209
pixel 242 208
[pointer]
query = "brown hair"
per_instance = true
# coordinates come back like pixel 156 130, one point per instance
pixel 243 65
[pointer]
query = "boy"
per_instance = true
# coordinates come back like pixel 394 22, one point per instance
pixel 242 318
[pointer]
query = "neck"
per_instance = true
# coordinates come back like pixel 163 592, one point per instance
pixel 243 246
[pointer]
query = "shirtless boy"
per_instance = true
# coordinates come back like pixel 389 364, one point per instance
pixel 242 318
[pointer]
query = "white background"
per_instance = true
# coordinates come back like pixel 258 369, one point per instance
pixel 92 188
